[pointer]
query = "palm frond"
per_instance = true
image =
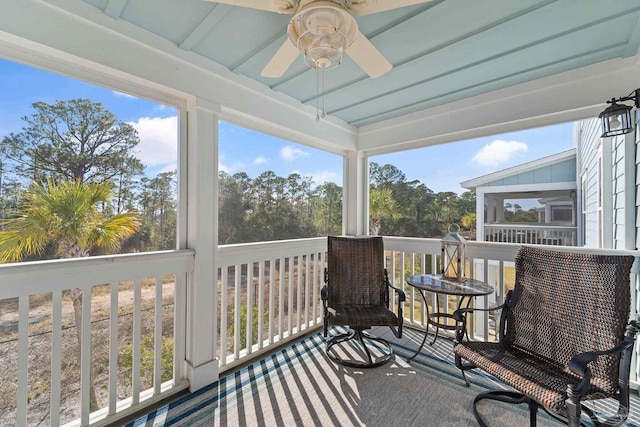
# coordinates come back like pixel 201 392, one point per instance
pixel 110 233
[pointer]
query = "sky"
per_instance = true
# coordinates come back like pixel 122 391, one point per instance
pixel 440 168
pixel 157 126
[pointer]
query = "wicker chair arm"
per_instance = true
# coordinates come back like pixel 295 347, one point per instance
pixel 461 313
pixel 402 297
pixel 460 316
pixel 579 363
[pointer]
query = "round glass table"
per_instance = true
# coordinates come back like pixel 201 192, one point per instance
pixel 435 283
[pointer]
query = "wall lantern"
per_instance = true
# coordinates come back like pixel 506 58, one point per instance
pixel 453 254
pixel 616 118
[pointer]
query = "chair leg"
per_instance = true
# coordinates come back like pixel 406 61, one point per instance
pixel 573 413
pixel 360 337
pixel 508 397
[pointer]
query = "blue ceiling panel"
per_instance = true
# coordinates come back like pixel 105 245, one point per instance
pixel 518 67
pixel 241 34
pixel 170 19
pixel 479 60
pixel 442 51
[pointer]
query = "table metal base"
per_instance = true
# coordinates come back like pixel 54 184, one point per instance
pixel 434 320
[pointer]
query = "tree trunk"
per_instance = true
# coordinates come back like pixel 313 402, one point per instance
pixel 374 226
pixel 73 250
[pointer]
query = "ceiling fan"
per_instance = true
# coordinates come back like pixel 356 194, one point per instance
pixel 323 31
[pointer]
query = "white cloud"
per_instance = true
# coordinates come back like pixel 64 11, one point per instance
pixel 229 166
pixel 158 140
pixel 224 168
pixel 289 153
pixel 498 152
pixel 321 177
pixel 260 160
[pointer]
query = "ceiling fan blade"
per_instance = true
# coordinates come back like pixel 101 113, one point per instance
pixel 280 6
pixel 282 60
pixel 368 57
pixel 367 7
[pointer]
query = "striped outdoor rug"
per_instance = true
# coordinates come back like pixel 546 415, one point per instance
pixel 300 386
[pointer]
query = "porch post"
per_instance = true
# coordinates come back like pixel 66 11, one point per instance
pixel 481 201
pixel 202 235
pixel 355 200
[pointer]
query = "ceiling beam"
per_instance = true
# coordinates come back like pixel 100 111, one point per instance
pixel 634 41
pixel 561 98
pixel 277 39
pixel 115 7
pixel 216 15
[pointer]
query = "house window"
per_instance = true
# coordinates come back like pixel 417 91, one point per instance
pixel 561 214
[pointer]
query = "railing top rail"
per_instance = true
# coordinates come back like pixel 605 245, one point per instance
pixel 243 253
pixel 489 250
pixel 531 226
pixel 29 278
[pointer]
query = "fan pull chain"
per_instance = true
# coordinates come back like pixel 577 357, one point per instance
pixel 323 114
pixel 320 94
pixel 317 95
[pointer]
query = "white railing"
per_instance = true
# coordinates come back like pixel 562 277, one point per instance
pixel 114 340
pixel 286 278
pixel 271 291
pixel 543 234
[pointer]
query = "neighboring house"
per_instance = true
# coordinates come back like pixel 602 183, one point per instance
pixel 590 194
pixel 608 181
pixel 550 182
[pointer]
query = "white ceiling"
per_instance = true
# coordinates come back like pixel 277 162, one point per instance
pixel 442 51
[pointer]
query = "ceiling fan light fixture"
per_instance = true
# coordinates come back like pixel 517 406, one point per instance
pixel 322 31
pixel 325 52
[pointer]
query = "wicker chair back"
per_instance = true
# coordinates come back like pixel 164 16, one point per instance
pixel 553 289
pixel 355 269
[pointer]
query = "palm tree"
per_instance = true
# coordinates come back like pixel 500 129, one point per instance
pixel 381 205
pixel 65 215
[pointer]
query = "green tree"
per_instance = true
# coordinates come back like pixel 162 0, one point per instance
pixel 327 209
pixel 233 207
pixel 72 140
pixel 243 324
pixel 384 176
pixel 65 215
pixel 468 221
pixel 147 358
pixel 158 210
pixel 381 205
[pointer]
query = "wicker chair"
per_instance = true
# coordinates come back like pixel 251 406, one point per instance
pixel 356 294
pixel 563 336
